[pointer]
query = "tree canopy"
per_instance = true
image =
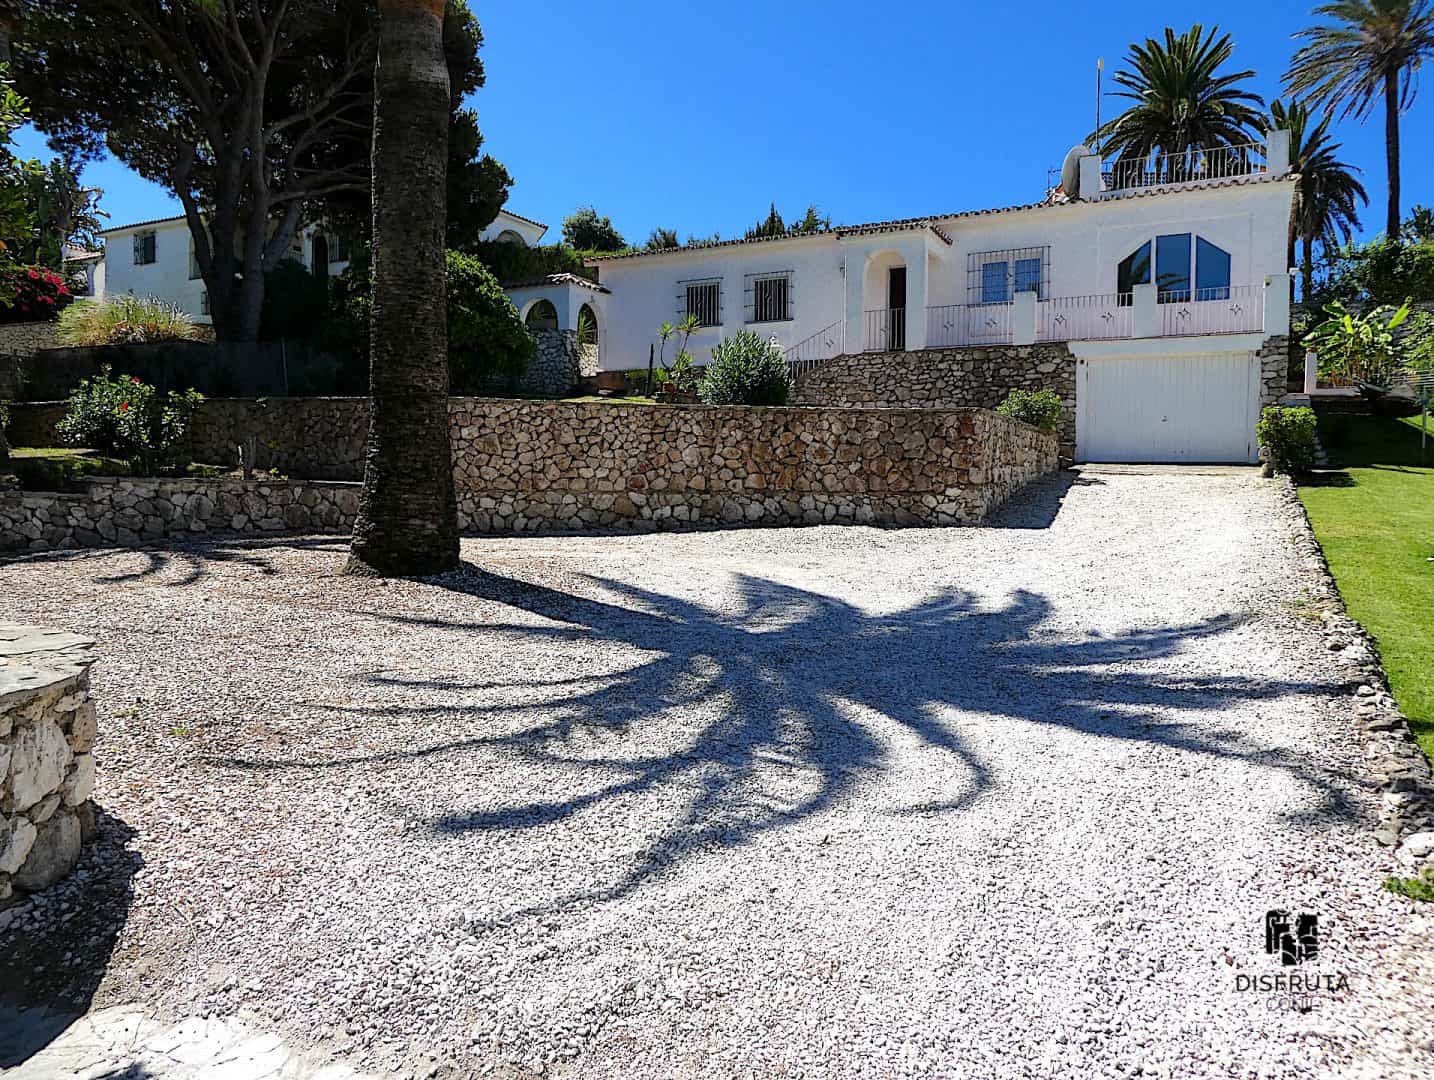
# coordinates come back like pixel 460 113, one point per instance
pixel 257 114
pixel 584 230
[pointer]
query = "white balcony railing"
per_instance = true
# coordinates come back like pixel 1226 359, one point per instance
pixel 885 330
pixel 1160 170
pixel 1099 317
pixel 959 325
pixel 812 352
pixel 1212 311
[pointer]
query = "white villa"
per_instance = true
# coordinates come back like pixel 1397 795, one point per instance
pixel 1154 298
pixel 1163 283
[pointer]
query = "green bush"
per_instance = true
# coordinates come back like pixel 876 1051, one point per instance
pixel 125 417
pixel 123 320
pixel 296 301
pixel 488 344
pixel 745 370
pixel 1039 408
pixel 1287 438
pixel 487 341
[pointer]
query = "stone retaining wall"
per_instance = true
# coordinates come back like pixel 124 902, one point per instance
pixel 523 465
pixel 978 377
pixel 527 465
pixel 128 512
pixel 26 338
pixel 47 768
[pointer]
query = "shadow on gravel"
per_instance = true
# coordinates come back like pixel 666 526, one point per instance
pixel 775 684
pixel 49 976
pixel 193 556
pixel 1037 505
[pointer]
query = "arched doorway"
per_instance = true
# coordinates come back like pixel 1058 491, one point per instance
pixel 542 315
pixel 588 337
pixel 884 302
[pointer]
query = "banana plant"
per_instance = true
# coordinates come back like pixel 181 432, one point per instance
pixel 1359 349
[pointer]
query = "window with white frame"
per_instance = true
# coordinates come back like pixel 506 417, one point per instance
pixel 769 297
pixel 1179 260
pixel 702 300
pixel 144 247
pixel 204 302
pixel 994 277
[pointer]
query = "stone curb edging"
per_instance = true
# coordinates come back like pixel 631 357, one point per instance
pixel 1406 817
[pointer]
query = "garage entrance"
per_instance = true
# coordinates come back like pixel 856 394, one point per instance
pixel 1195 408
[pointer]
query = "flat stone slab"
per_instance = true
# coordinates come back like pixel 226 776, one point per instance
pixel 38 1044
pixel 35 657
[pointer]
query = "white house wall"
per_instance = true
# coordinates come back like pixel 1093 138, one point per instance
pixel 645 295
pixel 1087 241
pixel 167 278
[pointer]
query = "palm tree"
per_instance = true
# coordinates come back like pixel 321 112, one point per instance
pixel 1327 209
pixel 407 520
pixel 1369 49
pixel 1182 100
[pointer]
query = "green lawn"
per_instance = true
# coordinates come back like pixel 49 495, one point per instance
pixel 1375 521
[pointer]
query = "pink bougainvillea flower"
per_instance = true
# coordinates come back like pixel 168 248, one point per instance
pixel 134 379
pixel 34 275
pixel 124 406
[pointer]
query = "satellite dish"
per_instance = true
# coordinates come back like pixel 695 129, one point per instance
pixel 1070 170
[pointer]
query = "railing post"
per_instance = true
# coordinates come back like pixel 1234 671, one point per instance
pixel 1311 371
pixel 1090 181
pixel 1277 305
pixel 1277 152
pixel 1146 311
pixel 1023 318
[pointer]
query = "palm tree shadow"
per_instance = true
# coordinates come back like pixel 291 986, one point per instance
pixel 792 682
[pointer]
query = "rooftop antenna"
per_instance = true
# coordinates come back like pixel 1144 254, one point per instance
pixel 1099 69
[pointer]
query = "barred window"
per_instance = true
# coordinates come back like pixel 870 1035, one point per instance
pixel 703 299
pixel 204 302
pixel 144 248
pixel 994 277
pixel 769 297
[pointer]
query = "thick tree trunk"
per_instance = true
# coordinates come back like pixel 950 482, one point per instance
pixel 1391 150
pixel 407 521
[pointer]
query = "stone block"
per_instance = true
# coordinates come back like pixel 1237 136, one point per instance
pixel 40 757
pixel 53 855
pixel 17 836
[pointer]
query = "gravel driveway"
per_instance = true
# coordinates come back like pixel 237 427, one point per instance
pixel 1008 801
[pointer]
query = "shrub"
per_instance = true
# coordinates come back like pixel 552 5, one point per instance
pixel 487 341
pixel 745 370
pixel 1039 408
pixel 32 294
pixel 127 418
pixel 1287 438
pixel 124 320
pixel 296 300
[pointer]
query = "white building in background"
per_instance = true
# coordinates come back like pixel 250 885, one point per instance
pixel 1165 278
pixel 156 258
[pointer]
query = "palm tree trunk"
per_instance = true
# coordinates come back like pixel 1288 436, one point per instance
pixel 1391 150
pixel 1307 270
pixel 407 521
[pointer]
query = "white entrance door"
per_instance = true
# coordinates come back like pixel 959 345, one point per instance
pixel 1196 408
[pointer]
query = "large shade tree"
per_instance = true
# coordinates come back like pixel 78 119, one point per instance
pixel 1327 211
pixel 256 114
pixel 1365 52
pixel 1182 98
pixel 407 522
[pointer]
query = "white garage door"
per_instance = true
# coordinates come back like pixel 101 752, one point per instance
pixel 1196 408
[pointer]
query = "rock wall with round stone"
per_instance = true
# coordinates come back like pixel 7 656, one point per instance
pixel 47 765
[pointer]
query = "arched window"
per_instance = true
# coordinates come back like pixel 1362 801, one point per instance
pixel 542 316
pixel 1184 267
pixel 508 236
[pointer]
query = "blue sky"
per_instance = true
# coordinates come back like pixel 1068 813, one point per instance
pixel 695 117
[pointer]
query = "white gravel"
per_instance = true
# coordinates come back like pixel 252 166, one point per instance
pixel 1002 802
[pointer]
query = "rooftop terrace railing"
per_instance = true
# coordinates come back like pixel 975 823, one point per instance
pixel 1186 166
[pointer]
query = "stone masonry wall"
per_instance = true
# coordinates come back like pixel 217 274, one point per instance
pixel 523 465
pixel 528 465
pixel 47 768
pixel 556 368
pixel 27 338
pixel 978 377
pixel 1274 358
pixel 128 512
